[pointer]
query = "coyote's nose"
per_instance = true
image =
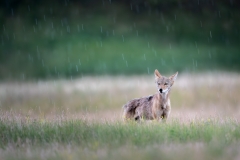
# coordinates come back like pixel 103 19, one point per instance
pixel 160 90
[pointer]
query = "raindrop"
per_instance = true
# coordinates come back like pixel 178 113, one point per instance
pixel 28 8
pixel 148 69
pixel 23 76
pixel 36 21
pixel 210 34
pixel 131 6
pixel 62 23
pixel 44 17
pixel 148 45
pixel 137 33
pixel 167 28
pixel 43 63
pixel 126 63
pixel 219 14
pixel 78 28
pixel 123 38
pixel 77 68
pixel 82 27
pixel 137 8
pixel 34 29
pixel 170 46
pixel 144 56
pixel 68 29
pixel 196 44
pixel 52 24
pixel 13 36
pixel 104 65
pixel 201 23
pixel 113 33
pixel 2 41
pixel 209 53
pixel 4 28
pixel 175 17
pixel 122 56
pixel 114 20
pixel 12 12
pixel 101 29
pixel 79 61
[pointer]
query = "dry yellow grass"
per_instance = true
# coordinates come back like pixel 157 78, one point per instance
pixel 193 96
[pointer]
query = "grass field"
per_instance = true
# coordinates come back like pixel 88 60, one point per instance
pixel 81 119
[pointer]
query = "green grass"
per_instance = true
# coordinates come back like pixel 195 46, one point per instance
pixel 116 137
pixel 114 134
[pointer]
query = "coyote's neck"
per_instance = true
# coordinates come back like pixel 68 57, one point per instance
pixel 163 98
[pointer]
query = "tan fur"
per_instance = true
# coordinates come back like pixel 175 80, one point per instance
pixel 152 107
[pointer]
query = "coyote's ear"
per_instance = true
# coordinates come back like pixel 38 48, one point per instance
pixel 173 77
pixel 157 74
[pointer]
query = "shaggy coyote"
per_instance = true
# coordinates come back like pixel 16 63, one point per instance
pixel 156 106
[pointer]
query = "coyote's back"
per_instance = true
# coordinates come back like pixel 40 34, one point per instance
pixel 138 108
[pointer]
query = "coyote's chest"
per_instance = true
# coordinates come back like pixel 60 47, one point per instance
pixel 161 108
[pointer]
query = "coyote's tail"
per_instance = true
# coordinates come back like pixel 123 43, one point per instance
pixel 128 111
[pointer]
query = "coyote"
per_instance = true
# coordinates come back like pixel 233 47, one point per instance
pixel 153 107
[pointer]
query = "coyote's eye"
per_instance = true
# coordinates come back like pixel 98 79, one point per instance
pixel 166 84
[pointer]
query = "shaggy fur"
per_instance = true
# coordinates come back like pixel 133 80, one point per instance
pixel 156 106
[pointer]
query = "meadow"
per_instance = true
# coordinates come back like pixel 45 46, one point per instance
pixel 81 118
pixel 68 67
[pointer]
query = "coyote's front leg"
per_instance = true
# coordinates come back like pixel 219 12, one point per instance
pixel 165 115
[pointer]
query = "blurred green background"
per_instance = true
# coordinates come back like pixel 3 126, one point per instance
pixel 71 38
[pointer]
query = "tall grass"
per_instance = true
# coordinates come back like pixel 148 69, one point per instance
pixel 114 134
pixel 74 139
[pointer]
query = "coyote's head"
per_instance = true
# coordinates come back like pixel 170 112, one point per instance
pixel 164 84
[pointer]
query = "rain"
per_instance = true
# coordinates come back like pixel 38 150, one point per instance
pixel 83 61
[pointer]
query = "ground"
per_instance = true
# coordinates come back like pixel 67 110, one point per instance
pixel 203 123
